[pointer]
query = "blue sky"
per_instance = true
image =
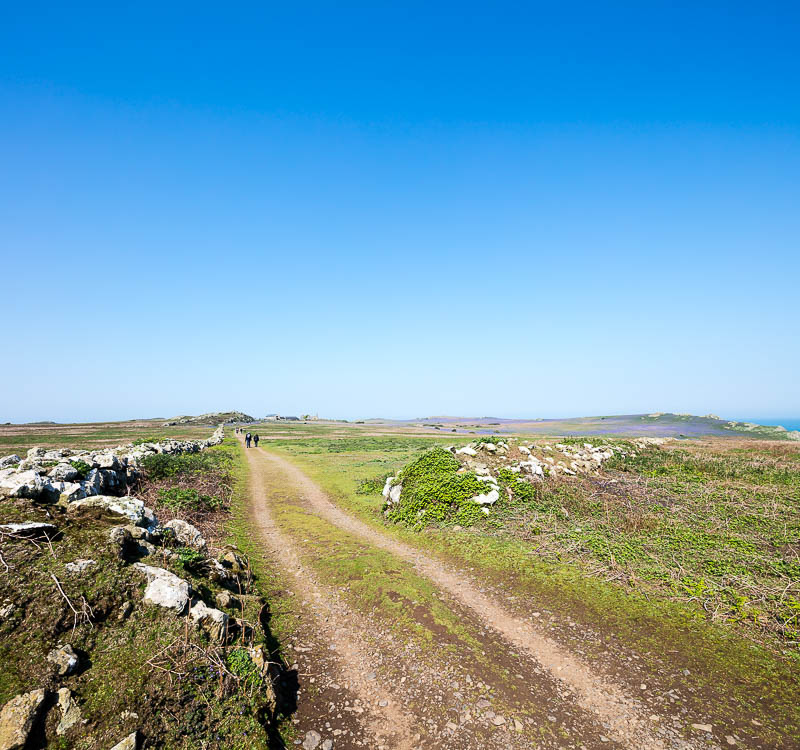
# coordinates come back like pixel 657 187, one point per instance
pixel 399 210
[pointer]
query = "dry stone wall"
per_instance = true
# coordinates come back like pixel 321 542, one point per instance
pixel 66 476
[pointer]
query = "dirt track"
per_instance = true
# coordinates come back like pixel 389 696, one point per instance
pixel 590 709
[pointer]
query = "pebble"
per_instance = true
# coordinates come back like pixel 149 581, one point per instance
pixel 702 727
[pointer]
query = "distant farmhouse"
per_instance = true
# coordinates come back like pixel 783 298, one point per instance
pixel 279 418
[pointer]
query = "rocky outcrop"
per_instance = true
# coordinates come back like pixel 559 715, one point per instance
pixel 217 417
pixel 16 719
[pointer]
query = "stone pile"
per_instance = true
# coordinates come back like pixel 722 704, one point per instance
pixel 529 461
pixel 65 476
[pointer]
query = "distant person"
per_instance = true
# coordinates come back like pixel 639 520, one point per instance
pixel 247 439
pixel 255 440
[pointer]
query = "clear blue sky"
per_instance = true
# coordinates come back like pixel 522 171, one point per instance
pixel 508 209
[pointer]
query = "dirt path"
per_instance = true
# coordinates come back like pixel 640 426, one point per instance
pixel 376 711
pixel 620 720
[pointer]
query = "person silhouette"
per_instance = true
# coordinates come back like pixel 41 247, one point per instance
pixel 247 439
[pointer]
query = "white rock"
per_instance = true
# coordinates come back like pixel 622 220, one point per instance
pixel 467 450
pixel 63 473
pixel 11 460
pixel 210 620
pixel 387 487
pixel 70 491
pixel 491 447
pixel 186 534
pixel 128 507
pixel 131 742
pixel 489 498
pixel 107 461
pixel 23 484
pixel 164 588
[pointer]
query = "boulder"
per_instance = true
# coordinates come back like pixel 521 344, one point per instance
pixel 128 507
pixel 186 534
pixel 107 461
pixel 63 473
pixel 70 711
pixel 467 450
pixel 211 621
pixel 11 460
pixel 165 589
pixel 16 719
pixel 36 452
pixel 64 659
pixel 23 484
pixel 71 491
pixel 131 742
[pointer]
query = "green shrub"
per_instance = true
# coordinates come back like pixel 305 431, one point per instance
pixel 243 667
pixel 372 486
pixel 433 492
pixel 189 558
pixel 167 466
pixel 177 498
pixel 81 467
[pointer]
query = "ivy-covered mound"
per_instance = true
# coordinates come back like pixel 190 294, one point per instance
pixel 433 491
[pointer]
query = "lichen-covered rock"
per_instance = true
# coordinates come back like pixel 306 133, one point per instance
pixel 131 742
pixel 23 484
pixel 186 534
pixel 63 473
pixel 211 621
pixel 11 460
pixel 128 507
pixel 165 589
pixel 70 711
pixel 17 717
pixel 64 659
